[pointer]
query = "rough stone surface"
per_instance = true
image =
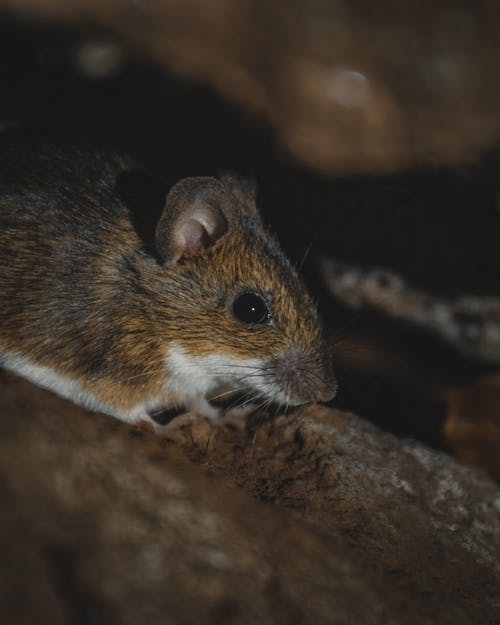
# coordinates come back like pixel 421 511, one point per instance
pixel 470 324
pixel 348 86
pixel 315 518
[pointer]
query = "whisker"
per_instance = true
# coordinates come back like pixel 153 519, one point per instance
pixel 139 375
pixel 250 400
pixel 340 333
pixel 157 412
pixel 234 390
pixel 240 402
pixel 253 443
pixel 304 257
pixel 264 404
pixel 243 365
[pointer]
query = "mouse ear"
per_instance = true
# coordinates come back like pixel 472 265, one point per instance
pixel 244 189
pixel 196 214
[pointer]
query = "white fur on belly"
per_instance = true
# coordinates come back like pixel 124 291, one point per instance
pixel 188 378
pixel 66 387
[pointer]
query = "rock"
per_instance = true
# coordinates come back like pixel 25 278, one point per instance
pixel 472 427
pixel 313 518
pixel 470 324
pixel 346 86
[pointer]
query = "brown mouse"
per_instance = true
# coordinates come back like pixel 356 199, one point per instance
pixel 88 309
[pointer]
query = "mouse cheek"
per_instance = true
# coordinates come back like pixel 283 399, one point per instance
pixel 210 377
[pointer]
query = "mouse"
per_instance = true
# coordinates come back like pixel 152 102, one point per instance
pixel 138 300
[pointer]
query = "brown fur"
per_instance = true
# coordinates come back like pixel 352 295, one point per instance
pixel 81 293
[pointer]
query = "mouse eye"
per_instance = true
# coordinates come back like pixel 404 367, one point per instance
pixel 251 309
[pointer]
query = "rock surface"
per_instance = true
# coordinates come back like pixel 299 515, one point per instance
pixel 315 518
pixel 470 324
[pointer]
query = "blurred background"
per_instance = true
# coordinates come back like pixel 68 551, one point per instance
pixel 373 131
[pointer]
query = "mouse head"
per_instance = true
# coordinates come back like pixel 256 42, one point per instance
pixel 244 317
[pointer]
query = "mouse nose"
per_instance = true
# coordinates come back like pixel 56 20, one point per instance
pixel 304 379
pixel 325 392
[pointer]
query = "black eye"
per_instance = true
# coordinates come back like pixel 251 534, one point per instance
pixel 251 309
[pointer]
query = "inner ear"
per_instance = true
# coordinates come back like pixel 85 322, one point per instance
pixel 192 235
pixel 197 229
pixel 197 213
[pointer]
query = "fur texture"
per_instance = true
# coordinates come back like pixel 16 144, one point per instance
pixel 85 298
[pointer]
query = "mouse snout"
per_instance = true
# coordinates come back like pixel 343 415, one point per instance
pixel 304 379
pixel 325 392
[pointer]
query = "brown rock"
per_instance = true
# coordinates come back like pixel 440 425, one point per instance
pixel 348 86
pixel 103 524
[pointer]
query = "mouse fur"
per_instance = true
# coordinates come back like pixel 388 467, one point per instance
pixel 132 319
